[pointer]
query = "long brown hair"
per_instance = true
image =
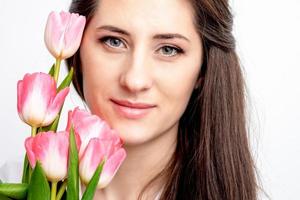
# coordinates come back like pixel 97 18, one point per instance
pixel 212 160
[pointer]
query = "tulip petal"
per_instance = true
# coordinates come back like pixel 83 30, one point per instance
pixel 90 160
pixel 20 93
pixel 63 33
pixel 33 104
pixel 110 134
pixel 73 34
pixel 91 128
pixel 51 150
pixel 55 106
pixel 99 143
pixel 55 158
pixel 35 92
pixel 53 33
pixel 111 166
pixel 29 151
pixel 63 18
pixel 87 126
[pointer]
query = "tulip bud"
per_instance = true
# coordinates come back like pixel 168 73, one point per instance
pixel 38 102
pixel 97 151
pixel 98 143
pixel 63 33
pixel 51 150
pixel 89 126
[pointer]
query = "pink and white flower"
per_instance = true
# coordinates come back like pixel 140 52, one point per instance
pixel 63 33
pixel 89 126
pixel 98 142
pixel 97 151
pixel 51 150
pixel 38 103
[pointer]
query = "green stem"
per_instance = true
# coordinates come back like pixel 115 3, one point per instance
pixel 26 166
pixel 53 190
pixel 33 131
pixel 30 172
pixel 61 190
pixel 56 69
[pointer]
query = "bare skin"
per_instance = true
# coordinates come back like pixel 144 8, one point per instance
pixel 140 63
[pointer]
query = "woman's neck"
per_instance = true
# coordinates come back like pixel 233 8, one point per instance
pixel 143 162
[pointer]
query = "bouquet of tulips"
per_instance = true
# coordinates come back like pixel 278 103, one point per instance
pixel 56 162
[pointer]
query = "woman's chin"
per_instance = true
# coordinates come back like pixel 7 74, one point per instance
pixel 134 139
pixel 134 136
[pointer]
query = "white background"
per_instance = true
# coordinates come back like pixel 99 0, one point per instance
pixel 267 34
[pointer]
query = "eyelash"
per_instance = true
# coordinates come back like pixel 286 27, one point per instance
pixel 106 38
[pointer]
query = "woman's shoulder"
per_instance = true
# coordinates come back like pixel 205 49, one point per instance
pixel 11 171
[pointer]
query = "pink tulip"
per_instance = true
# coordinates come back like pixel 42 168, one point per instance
pixel 98 142
pixel 51 150
pixel 38 102
pixel 63 33
pixel 89 126
pixel 97 151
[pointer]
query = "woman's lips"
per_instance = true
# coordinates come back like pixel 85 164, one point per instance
pixel 132 110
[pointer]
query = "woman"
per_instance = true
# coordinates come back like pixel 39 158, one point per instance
pixel 165 74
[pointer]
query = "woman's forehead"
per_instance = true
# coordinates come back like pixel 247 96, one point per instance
pixel 146 15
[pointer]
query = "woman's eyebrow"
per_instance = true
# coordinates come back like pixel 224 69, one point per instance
pixel 113 29
pixel 158 36
pixel 170 36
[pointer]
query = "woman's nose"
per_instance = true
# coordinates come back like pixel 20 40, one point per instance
pixel 136 75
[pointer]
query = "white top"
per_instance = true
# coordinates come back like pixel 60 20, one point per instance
pixel 11 171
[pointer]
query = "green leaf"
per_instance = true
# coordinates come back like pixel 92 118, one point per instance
pixel 14 190
pixel 3 197
pixel 26 174
pixel 39 187
pixel 67 81
pixel 73 171
pixel 51 72
pixel 92 186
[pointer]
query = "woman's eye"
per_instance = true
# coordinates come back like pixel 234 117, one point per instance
pixel 113 42
pixel 170 51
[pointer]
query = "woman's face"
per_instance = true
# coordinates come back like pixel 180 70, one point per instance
pixel 140 62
